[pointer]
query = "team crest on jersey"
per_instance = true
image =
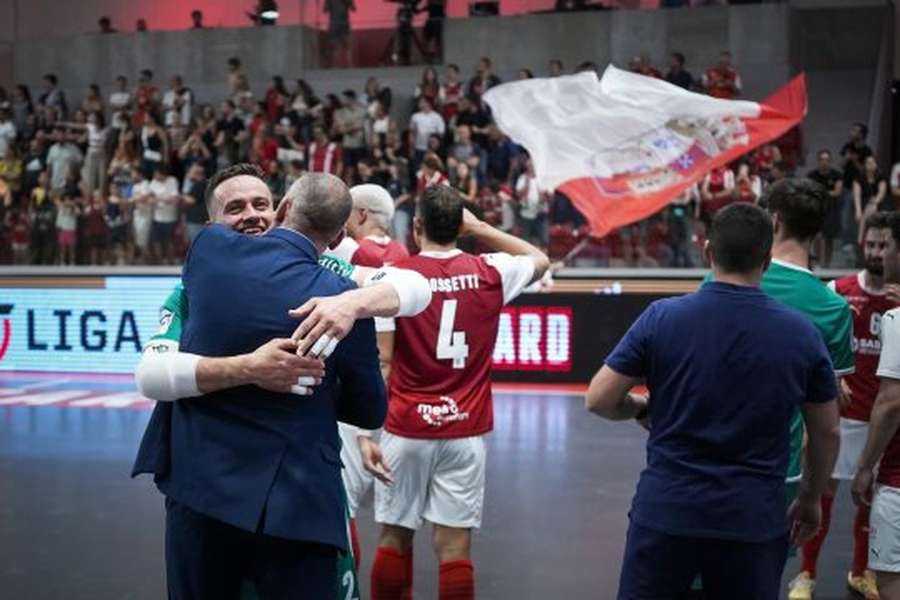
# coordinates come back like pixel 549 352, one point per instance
pixel 440 414
pixel 165 320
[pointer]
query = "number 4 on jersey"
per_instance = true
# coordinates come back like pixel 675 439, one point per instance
pixel 451 344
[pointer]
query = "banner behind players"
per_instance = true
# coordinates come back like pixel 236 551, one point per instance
pixel 622 147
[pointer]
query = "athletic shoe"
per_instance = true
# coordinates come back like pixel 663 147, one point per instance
pixel 864 585
pixel 801 588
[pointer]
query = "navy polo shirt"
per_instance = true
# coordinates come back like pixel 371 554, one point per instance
pixel 726 367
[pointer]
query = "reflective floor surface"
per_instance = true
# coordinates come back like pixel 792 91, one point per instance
pixel 73 525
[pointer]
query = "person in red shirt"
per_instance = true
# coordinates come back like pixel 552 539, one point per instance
pixel 868 302
pixel 146 97
pixel 430 461
pixel 431 173
pixel 19 235
pixel 716 191
pixel 324 155
pixel 722 81
pixel 882 494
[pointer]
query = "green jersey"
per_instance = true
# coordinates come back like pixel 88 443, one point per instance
pixel 800 289
pixel 171 318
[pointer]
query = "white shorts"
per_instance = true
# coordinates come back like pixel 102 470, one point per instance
pixel 853 440
pixel 441 481
pixel 884 530
pixel 357 481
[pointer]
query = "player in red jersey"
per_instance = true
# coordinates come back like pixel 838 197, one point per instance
pixel 367 245
pixel 883 440
pixel 868 302
pixel 440 396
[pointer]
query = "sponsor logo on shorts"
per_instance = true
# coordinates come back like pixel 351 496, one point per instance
pixel 440 414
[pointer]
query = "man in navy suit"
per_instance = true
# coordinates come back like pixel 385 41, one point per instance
pixel 254 489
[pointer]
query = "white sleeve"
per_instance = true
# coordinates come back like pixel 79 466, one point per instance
pixel 412 288
pixel 164 374
pixel 889 363
pixel 345 250
pixel 385 324
pixel 516 272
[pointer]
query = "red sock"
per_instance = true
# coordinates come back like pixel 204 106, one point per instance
pixel 457 580
pixel 811 549
pixel 408 587
pixel 354 543
pixel 860 541
pixel 388 574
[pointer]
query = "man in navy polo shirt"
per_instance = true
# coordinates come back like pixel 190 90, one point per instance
pixel 726 367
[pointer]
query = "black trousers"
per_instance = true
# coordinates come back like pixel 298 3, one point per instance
pixel 207 559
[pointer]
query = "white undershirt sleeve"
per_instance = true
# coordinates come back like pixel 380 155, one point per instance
pixel 889 363
pixel 164 374
pixel 412 288
pixel 516 272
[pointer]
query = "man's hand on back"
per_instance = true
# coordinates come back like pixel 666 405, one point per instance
pixel 326 321
pixel 275 366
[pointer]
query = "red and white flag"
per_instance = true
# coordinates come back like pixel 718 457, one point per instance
pixel 622 147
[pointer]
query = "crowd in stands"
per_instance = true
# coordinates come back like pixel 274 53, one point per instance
pixel 119 178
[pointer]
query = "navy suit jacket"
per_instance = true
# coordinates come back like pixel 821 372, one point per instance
pixel 259 460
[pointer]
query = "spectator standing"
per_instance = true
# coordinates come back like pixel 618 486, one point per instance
pixel 11 169
pixel 93 102
pixel 177 103
pixel 235 73
pixel 855 152
pixel 382 125
pixel 464 150
pixel 464 182
pixel 555 68
pixel 194 151
pixel 34 163
pixel 231 132
pixel 434 28
pixel 154 145
pixel 62 158
pixel 67 211
pixel 117 225
pixel 531 201
pixel 105 25
pixel 146 97
pixel 764 159
pixel 484 79
pixel 197 20
pixel 141 214
pixel 95 228
pixel 53 97
pixel 349 123
pixel 677 74
pixel 678 227
pixel 43 224
pixel 193 197
pixel 429 88
pixel 870 193
pixel 500 156
pixel 21 107
pixel 324 155
pixel 122 165
pixel 473 114
pixel 425 123
pixel 19 228
pixel 431 174
pixel 7 131
pixel 277 98
pixel 895 183
pixel 832 180
pixel 727 368
pixel 453 92
pixel 141 25
pixel 716 191
pixel 339 31
pixel 722 80
pixel 120 104
pixel 747 186
pixel 163 189
pixel 95 161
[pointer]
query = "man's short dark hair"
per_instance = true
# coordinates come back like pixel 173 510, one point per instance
pixel 234 61
pixel 147 73
pixel 453 66
pixel 486 61
pixel 877 220
pixel 863 129
pixel 801 205
pixel 679 57
pixel 51 78
pixel 225 174
pixel 441 211
pixel 122 78
pixel 740 238
pixel 104 21
pixel 349 94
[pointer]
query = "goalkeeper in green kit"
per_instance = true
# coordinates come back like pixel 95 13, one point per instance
pixel 238 197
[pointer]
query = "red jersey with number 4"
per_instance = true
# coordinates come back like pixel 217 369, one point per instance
pixel 440 384
pixel 378 252
pixel 867 307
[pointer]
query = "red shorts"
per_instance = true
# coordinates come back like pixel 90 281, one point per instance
pixel 66 238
